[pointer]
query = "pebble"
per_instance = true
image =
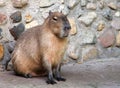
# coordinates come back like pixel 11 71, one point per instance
pixel 16 17
pixel 112 5
pixel 101 26
pixel 2 3
pixel 116 24
pixel 91 6
pixel 28 18
pixel 19 3
pixel 3 19
pixel 117 14
pixel 88 19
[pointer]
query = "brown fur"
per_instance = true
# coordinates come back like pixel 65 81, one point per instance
pixel 41 47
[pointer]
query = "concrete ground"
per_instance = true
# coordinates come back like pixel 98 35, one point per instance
pixel 104 73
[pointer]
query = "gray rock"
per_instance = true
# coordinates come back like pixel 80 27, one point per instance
pixel 93 1
pixel 2 3
pixel 91 6
pixel 16 17
pixel 116 24
pixel 87 19
pixel 19 3
pixel 76 11
pixel 83 3
pixel 108 14
pixel 64 9
pixel 101 4
pixel 118 5
pixel 87 37
pixel 0 32
pixel 89 52
pixel 46 3
pixel 16 31
pixel 74 50
pixel 117 14
pixel 53 8
pixel 72 3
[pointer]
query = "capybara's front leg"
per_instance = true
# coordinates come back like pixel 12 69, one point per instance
pixel 57 73
pixel 48 66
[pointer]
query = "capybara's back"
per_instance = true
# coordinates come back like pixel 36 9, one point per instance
pixel 39 50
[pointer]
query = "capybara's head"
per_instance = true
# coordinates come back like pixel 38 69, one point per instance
pixel 59 24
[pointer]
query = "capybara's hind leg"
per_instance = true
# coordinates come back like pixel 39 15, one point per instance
pixel 28 75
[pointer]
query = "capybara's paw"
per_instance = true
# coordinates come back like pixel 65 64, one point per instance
pixel 28 75
pixel 60 79
pixel 51 82
pixel 2 68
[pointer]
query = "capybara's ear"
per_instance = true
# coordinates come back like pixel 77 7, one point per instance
pixel 50 13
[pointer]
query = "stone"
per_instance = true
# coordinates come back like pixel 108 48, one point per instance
pixel 117 14
pixel 116 24
pixel 73 51
pixel 112 5
pixel 31 24
pixel 88 19
pixel 72 3
pixel 93 1
pixel 87 37
pixel 91 6
pixel 118 5
pixel 89 52
pixel 107 39
pixel 16 31
pixel 83 3
pixel 118 39
pixel 3 19
pixel 2 3
pixel 73 56
pixel 16 17
pixel 108 14
pixel 0 32
pixel 28 18
pixel 46 3
pixel 64 9
pixel 19 3
pixel 76 11
pixel 62 1
pixel 73 26
pixel 101 4
pixel 101 26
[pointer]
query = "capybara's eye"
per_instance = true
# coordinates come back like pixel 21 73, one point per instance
pixel 55 18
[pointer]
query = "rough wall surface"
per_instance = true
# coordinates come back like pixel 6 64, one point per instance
pixel 95 24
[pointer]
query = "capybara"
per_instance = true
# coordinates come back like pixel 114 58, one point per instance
pixel 39 50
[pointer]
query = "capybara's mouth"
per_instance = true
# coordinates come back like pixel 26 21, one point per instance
pixel 65 35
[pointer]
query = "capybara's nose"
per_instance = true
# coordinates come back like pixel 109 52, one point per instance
pixel 67 27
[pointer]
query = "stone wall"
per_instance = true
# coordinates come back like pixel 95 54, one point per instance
pixel 95 24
